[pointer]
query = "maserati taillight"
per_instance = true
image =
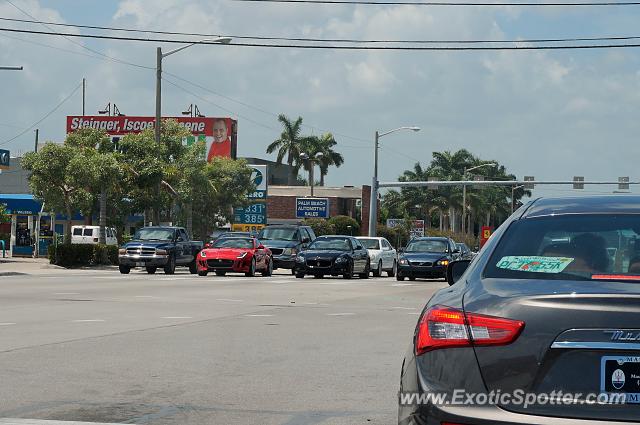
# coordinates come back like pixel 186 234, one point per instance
pixel 446 327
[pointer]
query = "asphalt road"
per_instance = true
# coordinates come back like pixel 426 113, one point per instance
pixel 96 346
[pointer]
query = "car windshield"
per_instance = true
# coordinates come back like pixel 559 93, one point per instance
pixel 370 243
pixel 154 234
pixel 330 244
pixel 279 233
pixel 240 243
pixel 587 247
pixel 428 245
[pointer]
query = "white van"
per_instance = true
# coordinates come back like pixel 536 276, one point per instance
pixel 91 235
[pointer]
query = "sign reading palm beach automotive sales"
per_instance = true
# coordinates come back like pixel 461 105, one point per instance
pixel 312 207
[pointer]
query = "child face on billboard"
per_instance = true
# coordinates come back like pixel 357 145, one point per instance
pixel 220 133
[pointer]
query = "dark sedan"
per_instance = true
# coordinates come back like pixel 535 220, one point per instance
pixel 541 327
pixel 426 257
pixel 333 255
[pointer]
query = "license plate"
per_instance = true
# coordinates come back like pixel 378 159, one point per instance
pixel 621 375
pixel 140 264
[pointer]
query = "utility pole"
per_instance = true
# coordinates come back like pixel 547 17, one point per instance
pixel 84 90
pixel 36 146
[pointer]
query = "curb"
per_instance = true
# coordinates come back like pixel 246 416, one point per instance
pixel 13 274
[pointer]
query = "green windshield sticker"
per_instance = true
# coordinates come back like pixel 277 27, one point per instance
pixel 535 264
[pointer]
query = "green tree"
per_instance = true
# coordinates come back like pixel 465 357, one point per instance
pixel 345 225
pixel 320 226
pixel 288 144
pixel 101 170
pixel 57 178
pixel 323 145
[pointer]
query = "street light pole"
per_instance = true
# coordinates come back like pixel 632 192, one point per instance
pixel 464 193
pixel 310 160
pixel 10 68
pixel 513 195
pixel 373 205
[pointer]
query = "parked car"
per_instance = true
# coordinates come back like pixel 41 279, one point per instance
pixel 465 251
pixel 91 235
pixel 382 255
pixel 285 242
pixel 426 257
pixel 159 246
pixel 235 254
pixel 542 309
pixel 333 255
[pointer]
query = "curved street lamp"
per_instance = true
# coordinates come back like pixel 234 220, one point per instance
pixel 373 206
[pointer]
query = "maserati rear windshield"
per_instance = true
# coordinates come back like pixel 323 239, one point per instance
pixel 569 247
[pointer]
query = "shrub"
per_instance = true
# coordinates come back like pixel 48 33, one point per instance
pixel 320 226
pixel 78 255
pixel 341 224
pixel 397 236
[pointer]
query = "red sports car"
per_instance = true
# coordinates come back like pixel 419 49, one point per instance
pixel 239 255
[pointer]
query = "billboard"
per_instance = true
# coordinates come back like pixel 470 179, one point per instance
pixel 220 134
pixel 312 207
pixel 259 178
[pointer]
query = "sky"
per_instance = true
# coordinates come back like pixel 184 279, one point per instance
pixel 548 114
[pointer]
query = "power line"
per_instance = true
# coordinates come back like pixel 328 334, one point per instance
pixel 329 40
pixel 66 36
pixel 32 126
pixel 327 47
pixel 444 3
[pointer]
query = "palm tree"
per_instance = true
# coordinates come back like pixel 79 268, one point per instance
pixel 325 144
pixel 289 145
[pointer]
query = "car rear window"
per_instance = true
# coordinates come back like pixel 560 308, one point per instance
pixel 569 247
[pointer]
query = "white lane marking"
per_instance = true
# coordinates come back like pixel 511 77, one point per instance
pixel 88 320
pixel 7 324
pixel 341 314
pixel 310 303
pixel 11 421
pixel 403 284
pixel 228 299
pixel 144 296
pixel 66 293
pixel 177 317
pixel 258 315
pixel 404 308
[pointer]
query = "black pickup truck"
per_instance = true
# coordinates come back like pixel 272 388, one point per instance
pixel 159 246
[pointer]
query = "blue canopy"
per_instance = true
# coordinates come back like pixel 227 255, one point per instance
pixel 20 204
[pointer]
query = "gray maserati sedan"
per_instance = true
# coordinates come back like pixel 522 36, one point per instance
pixel 541 327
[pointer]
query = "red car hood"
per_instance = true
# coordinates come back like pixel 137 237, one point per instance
pixel 225 253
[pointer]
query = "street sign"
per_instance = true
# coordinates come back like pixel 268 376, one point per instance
pixel 259 178
pixel 253 214
pixel 624 183
pixel 312 207
pixel 4 159
pixel 529 186
pixel 485 234
pixel 253 228
pixel 578 185
pixel 417 226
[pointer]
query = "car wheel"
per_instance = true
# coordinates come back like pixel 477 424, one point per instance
pixel 299 275
pixel 252 269
pixel 193 267
pixel 367 270
pixel 348 274
pixel 412 278
pixel 394 269
pixel 293 271
pixel 203 273
pixel 170 268
pixel 220 273
pixel 399 278
pixel 151 270
pixel 124 269
pixel 378 272
pixel 318 276
pixel 269 270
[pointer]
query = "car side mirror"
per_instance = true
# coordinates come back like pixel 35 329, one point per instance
pixel 207 245
pixel 306 240
pixel 260 246
pixel 456 251
pixel 456 269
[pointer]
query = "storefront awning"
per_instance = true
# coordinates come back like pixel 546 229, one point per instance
pixel 20 204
